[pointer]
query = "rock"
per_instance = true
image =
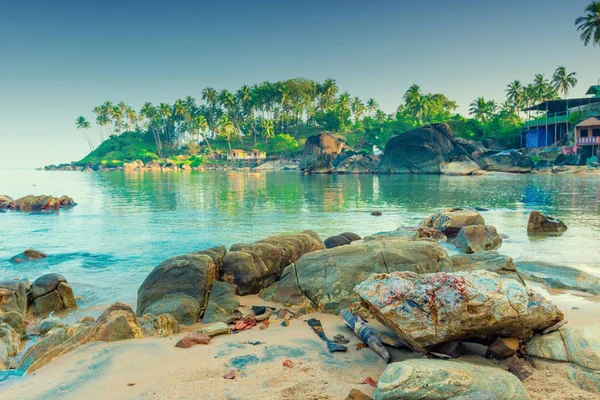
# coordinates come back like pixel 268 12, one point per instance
pixel 6 202
pixel 443 379
pixel 503 348
pixel 319 152
pixel 15 320
pixel 340 240
pixel 420 151
pixel 478 395
pixel 13 296
pixel 324 280
pixel 117 322
pixel 47 324
pixel 506 161
pixel 450 220
pixel 426 232
pixel 28 255
pixel 520 368
pixel 136 165
pixel 430 309
pixel 51 293
pixel 473 238
pixel 541 223
pixel 10 342
pixel 221 303
pixel 459 168
pixel 66 201
pixel 162 326
pixel 572 351
pixel 358 164
pixel 257 265
pixel 192 339
pixel 451 349
pixel 376 213
pixel 42 203
pixel 186 167
pixel 180 285
pixel 486 260
pixel 559 276
pixel 215 329
pixel 356 394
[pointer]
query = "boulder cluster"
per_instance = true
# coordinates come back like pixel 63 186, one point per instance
pixel 39 204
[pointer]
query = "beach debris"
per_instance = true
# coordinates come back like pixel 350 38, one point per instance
pixel 264 325
pixel 369 381
pixel 452 349
pixel 264 316
pixel 393 341
pixel 289 364
pixel 192 339
pixel 360 346
pixel 218 328
pixel 286 323
pixel 244 324
pixel 520 368
pixel 259 310
pixel 339 338
pixel 503 348
pixel 255 342
pixel 230 375
pixel 356 394
pixel 130 384
pixel 364 333
pixel 317 328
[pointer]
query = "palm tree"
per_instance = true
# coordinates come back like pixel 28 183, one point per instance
pixel 357 108
pixel 227 130
pixel 482 110
pixel 268 129
pixel 131 116
pixel 562 81
pixel 329 91
pixel 416 102
pixel 372 105
pixel 200 124
pixel 116 113
pixel 344 105
pixel 589 24
pixel 210 96
pixel 82 123
pixel 515 94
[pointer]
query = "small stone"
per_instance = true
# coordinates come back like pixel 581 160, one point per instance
pixel 356 394
pixel 503 348
pixel 369 381
pixel 376 213
pixel 230 375
pixel 130 384
pixel 520 368
pixel 192 339
pixel 288 364
pixel 339 338
pixel 451 349
pixel 360 346
pixel 218 328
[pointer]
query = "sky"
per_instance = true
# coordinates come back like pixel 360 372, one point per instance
pixel 59 59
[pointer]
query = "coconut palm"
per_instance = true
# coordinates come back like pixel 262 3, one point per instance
pixel 210 96
pixel 589 24
pixel 372 105
pixel 82 123
pixel 562 81
pixel 227 130
pixel 515 94
pixel 329 90
pixel 268 129
pixel 482 110
pixel 344 105
pixel 416 102
pixel 357 108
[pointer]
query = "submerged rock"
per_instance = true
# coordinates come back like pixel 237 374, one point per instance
pixel 541 223
pixel 5 202
pixel 117 322
pixel 221 303
pixel 28 255
pixel 180 285
pixel 42 203
pixel 473 238
pixel 572 351
pixel 559 276
pixel 257 265
pixel 319 152
pixel 430 309
pixel 451 220
pixel 325 280
pixel 444 379
pixel 488 261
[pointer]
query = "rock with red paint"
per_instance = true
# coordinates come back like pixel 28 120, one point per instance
pixel 230 375
pixel 288 364
pixel 430 309
pixel 369 381
pixel 193 339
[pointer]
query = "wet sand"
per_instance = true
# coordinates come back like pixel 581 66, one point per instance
pixel 152 368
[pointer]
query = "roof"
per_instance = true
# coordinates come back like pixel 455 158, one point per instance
pixel 589 122
pixel 554 106
pixel 557 119
pixel 595 90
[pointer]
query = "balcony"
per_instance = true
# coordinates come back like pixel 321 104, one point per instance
pixel 588 141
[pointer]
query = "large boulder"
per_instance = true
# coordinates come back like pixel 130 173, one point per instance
pixel 506 161
pixel 180 285
pixel 559 276
pixel 540 224
pixel 458 168
pixel 573 351
pixel 117 322
pixel 419 151
pixel 136 165
pixel 488 261
pixel 451 220
pixel 324 280
pixel 221 303
pixel 41 203
pixel 358 164
pixel 254 266
pixel 51 293
pixel 27 255
pixel 319 152
pixel 430 309
pixel 10 342
pixel 13 303
pixel 443 379
pixel 5 202
pixel 473 238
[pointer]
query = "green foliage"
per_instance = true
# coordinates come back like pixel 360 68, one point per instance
pixel 117 150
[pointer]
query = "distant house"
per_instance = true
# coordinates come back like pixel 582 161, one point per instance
pixel 241 155
pixel 587 132
pixel 553 126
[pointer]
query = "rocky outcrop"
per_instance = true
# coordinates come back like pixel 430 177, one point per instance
pixel 51 293
pixel 419 151
pixel 136 165
pixel 451 220
pixel 10 342
pixel 254 266
pixel 27 255
pixel 319 152
pixel 13 303
pixel 431 309
pixel 506 161
pixel 221 303
pixel 559 276
pixel 325 280
pixel 572 351
pixel 540 224
pixel 42 203
pixel 473 238
pixel 488 261
pixel 117 322
pixel 180 285
pixel 340 240
pixel 458 168
pixel 443 379
pixel 5 202
pixel 163 325
pixel 358 164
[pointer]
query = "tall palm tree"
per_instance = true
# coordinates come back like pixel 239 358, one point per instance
pixel 563 81
pixel 416 102
pixel 357 108
pixel 482 110
pixel 515 94
pixel 589 24
pixel 329 91
pixel 83 124
pixel 372 105
pixel 344 105
pixel 131 116
pixel 117 113
pixel 268 129
pixel 210 96
pixel 227 130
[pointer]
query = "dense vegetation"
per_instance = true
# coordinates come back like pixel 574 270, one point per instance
pixel 276 117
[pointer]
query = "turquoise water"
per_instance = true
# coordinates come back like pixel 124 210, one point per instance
pixel 126 223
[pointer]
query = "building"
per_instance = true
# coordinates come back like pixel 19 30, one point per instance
pixel 241 155
pixel 549 129
pixel 587 132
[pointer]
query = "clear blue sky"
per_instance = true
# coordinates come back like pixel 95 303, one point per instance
pixel 58 59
